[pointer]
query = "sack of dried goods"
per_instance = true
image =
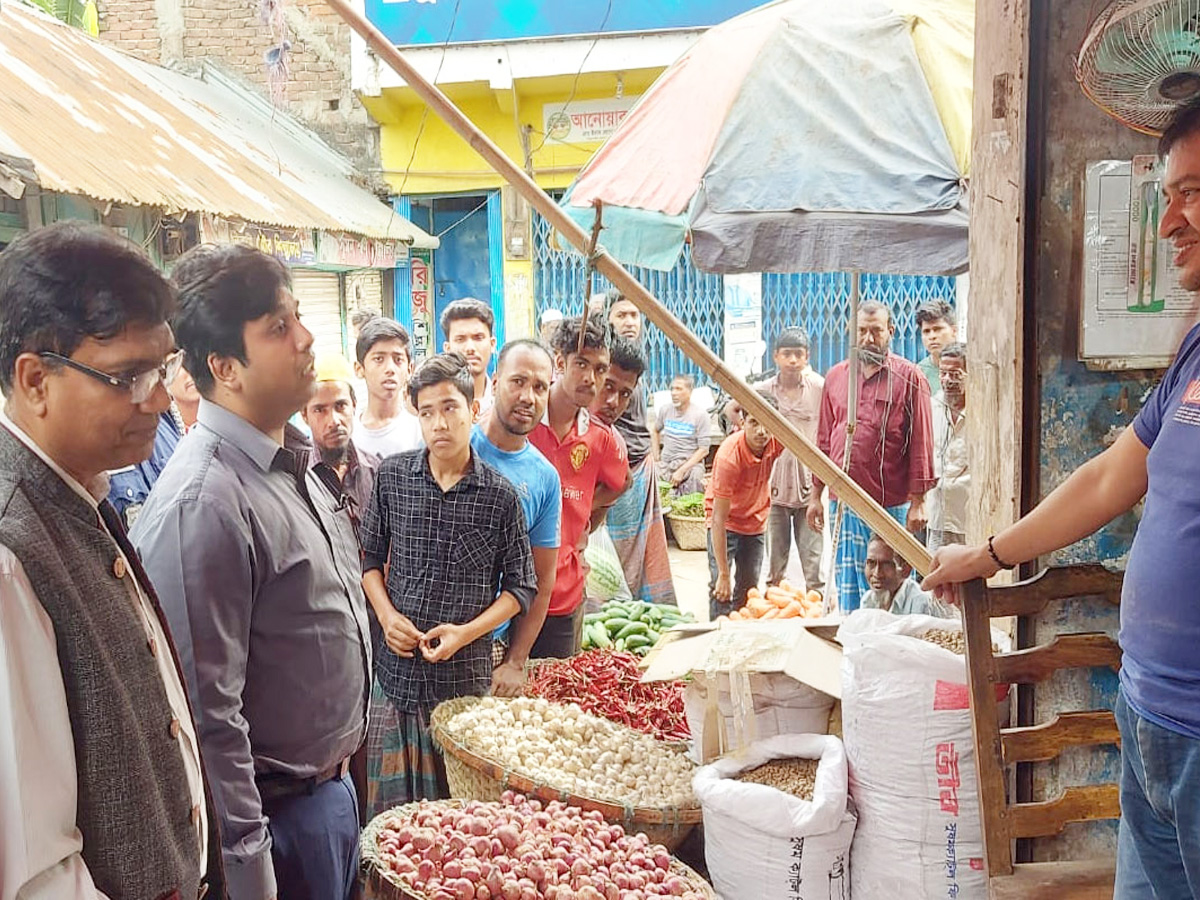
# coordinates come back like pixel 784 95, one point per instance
pixel 776 822
pixel 516 849
pixel 906 721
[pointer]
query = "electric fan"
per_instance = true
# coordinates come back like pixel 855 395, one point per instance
pixel 1141 59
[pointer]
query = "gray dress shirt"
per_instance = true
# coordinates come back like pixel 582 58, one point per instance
pixel 258 572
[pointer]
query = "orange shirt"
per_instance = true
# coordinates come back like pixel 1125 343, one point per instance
pixel 742 478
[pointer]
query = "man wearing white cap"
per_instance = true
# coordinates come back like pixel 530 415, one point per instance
pixel 329 414
pixel 547 323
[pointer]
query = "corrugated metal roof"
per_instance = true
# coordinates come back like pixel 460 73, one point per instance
pixel 95 121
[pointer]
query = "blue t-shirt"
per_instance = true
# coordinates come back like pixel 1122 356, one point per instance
pixel 537 484
pixel 1160 613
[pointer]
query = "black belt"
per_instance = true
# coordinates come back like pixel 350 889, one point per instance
pixel 277 785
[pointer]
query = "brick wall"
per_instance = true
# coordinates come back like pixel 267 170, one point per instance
pixel 231 34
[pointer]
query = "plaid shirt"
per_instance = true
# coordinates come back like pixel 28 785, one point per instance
pixel 446 554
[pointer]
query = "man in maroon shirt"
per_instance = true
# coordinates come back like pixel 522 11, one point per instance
pixel 892 453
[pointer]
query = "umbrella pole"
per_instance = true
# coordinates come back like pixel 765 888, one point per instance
pixel 851 417
pixel 820 464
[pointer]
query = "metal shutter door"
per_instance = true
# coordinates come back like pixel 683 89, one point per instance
pixel 319 296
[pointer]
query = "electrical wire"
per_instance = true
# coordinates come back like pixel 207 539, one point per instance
pixel 579 74
pixel 458 222
pixel 425 111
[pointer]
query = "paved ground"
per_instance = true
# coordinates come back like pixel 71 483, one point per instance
pixel 689 571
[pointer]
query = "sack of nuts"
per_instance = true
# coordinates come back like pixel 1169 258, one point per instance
pixel 777 823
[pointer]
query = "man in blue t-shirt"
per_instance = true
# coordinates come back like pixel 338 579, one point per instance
pixel 520 389
pixel 1158 708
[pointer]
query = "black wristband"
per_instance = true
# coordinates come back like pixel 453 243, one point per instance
pixel 995 558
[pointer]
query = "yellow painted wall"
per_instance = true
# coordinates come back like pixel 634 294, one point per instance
pixel 445 163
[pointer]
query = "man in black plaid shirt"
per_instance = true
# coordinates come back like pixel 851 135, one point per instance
pixel 451 531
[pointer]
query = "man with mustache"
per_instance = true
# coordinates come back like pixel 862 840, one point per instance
pixel 259 573
pixel 891 455
pixel 591 464
pixel 329 414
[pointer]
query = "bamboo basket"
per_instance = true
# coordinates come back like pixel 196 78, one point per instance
pixel 690 531
pixel 474 777
pixel 382 884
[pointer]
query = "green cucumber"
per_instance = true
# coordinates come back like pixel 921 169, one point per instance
pixel 634 641
pixel 620 645
pixel 638 628
pixel 615 624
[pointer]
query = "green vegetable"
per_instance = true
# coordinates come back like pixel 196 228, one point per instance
pixel 615 624
pixel 638 641
pixel 631 629
pixel 620 645
pixel 689 505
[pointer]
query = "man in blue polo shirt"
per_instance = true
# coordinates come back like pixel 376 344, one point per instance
pixel 1158 709
pixel 520 389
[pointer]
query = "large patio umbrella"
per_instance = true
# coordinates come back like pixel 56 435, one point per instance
pixel 805 135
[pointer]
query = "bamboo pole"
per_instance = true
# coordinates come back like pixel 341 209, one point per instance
pixel 820 464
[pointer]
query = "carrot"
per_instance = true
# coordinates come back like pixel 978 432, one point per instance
pixel 772 613
pixel 793 610
pixel 814 597
pixel 779 597
pixel 735 616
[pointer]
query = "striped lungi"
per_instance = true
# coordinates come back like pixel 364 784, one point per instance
pixel 850 581
pixel 403 764
pixel 635 524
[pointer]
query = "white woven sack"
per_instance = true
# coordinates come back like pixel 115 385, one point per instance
pixel 764 844
pixel 906 721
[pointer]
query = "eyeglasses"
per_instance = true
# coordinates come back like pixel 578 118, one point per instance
pixel 140 386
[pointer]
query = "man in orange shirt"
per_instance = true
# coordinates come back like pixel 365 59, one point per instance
pixel 736 504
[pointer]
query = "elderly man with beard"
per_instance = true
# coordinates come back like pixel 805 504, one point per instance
pixel 520 390
pixel 635 522
pixel 891 455
pixel 590 461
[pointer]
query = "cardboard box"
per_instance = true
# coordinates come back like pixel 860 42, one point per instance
pixel 753 680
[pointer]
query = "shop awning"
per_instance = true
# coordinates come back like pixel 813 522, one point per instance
pixel 91 120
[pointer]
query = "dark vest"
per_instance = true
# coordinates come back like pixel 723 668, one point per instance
pixel 134 808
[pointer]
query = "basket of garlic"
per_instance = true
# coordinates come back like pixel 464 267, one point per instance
pixel 515 849
pixel 554 751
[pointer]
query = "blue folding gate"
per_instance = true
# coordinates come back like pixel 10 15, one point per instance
pixel 818 301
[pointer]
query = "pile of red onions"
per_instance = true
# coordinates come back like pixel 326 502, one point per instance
pixel 608 684
pixel 518 850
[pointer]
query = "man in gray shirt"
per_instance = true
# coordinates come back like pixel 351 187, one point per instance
pixel 257 567
pixel 681 436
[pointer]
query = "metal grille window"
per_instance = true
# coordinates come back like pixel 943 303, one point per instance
pixel 696 298
pixel 820 302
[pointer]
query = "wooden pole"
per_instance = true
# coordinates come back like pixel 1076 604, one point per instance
pixel 820 464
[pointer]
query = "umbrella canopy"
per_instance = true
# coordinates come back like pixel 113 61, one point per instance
pixel 805 135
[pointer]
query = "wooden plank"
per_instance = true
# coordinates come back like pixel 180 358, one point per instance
pixel 989 758
pixel 1066 651
pixel 1038 743
pixel 1075 804
pixel 1030 597
pixel 995 325
pixel 1084 879
pixel 822 466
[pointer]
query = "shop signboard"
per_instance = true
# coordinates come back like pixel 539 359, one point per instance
pixel 352 251
pixel 584 121
pixel 293 247
pixel 422 303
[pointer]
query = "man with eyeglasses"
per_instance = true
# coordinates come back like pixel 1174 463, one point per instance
pixel 102 790
pixel 130 486
pixel 261 580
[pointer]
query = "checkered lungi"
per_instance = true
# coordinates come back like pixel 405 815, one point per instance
pixel 849 581
pixel 403 763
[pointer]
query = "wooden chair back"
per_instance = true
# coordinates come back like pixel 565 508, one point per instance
pixel 996 747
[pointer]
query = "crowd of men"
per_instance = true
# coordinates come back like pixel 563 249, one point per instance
pixel 280 565
pixel 907 449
